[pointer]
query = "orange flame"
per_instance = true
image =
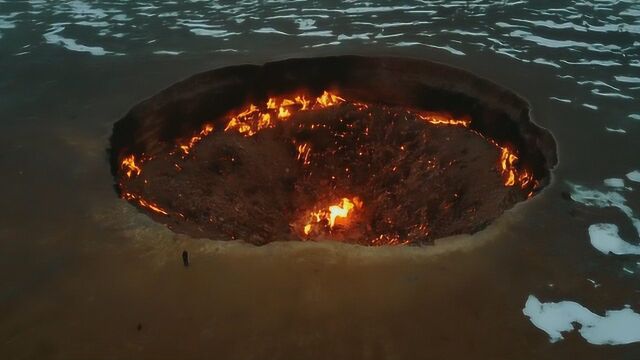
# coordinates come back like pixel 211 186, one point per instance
pixel 332 213
pixel 507 160
pixel 328 99
pixel 513 176
pixel 307 229
pixel 302 101
pixel 336 211
pixel 129 165
pixel 186 147
pixel 303 153
pixel 144 203
pixel 253 119
pixel 287 102
pixel 264 122
pixel 439 118
pixel 283 113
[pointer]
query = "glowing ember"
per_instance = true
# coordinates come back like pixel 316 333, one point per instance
pixel 388 240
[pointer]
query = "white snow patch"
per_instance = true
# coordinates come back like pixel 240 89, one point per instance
pixel 121 17
pixel 610 94
pixel 371 9
pixel 53 38
pixel 634 176
pixel 414 43
pixel 600 199
pixel 228 50
pixel 323 33
pixel 5 24
pixel 621 131
pixel 407 43
pixel 364 36
pixel 447 48
pixel 167 52
pixel 614 182
pixel 333 43
pixel 560 99
pixel 306 24
pixel 605 238
pixel 269 30
pixel 546 62
pixel 628 79
pixel 383 36
pixel 616 327
pixel 213 33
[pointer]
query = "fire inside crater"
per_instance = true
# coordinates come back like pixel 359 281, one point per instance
pixel 321 165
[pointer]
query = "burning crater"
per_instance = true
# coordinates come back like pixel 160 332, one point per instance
pixel 372 151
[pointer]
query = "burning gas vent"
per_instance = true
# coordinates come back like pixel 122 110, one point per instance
pixel 373 151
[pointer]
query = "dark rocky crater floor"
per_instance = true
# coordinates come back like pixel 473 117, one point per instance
pixel 396 151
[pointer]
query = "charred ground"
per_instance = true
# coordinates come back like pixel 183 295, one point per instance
pixel 417 181
pixel 396 151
